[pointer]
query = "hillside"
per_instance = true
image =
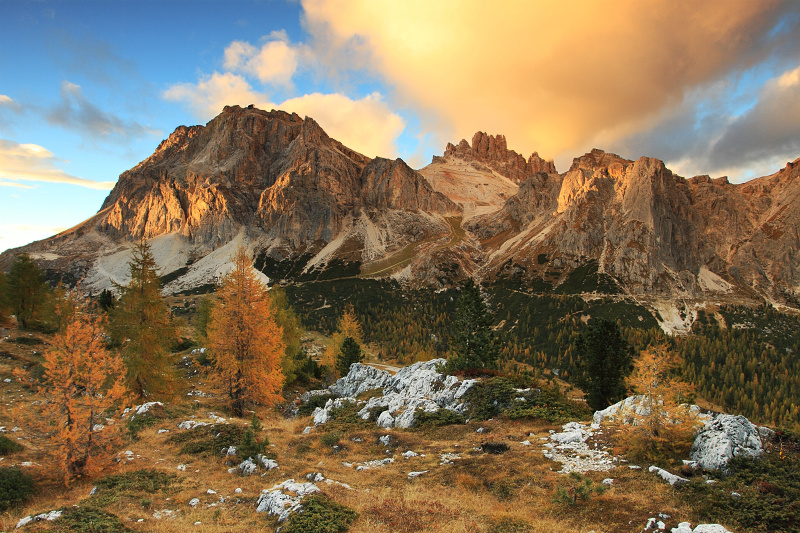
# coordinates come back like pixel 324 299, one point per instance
pixel 430 478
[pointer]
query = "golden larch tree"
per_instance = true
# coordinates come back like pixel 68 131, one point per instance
pixel 348 326
pixel 665 428
pixel 83 390
pixel 245 339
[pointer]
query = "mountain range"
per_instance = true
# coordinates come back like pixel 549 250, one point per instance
pixel 305 204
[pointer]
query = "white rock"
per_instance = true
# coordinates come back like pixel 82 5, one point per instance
pixel 526 443
pixel 409 454
pixel 608 481
pixel 661 525
pixel 385 420
pixel 237 491
pixel 723 438
pixel 626 408
pixel 189 424
pixel 182 468
pixel 672 479
pixel 412 475
pixel 230 451
pixel 246 467
pixel 24 521
pixel 284 499
pixel 211 491
pixel 194 502
pixel 160 431
pixel 710 528
pixel 385 440
pixel 145 407
pixel 683 527
pixel 307 430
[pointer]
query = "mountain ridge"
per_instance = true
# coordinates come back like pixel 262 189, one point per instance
pixel 281 184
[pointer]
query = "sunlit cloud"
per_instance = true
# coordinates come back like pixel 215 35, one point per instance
pixel 4 183
pixel 275 62
pixel 552 76
pixel 31 162
pixel 367 125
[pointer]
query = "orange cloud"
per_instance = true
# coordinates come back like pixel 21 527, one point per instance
pixel 551 75
pixel 275 62
pixel 366 125
pixel 31 162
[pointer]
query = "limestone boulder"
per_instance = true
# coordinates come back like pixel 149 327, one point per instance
pixel 723 438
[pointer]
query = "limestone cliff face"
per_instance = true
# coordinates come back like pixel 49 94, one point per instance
pixel 650 229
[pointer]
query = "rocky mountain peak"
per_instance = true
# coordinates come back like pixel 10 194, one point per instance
pixel 492 151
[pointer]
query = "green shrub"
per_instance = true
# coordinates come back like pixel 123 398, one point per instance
pixel 330 439
pixel 548 404
pixel 442 417
pixel 580 489
pixel 111 488
pixel 489 398
pixel 140 422
pixel 208 440
pixel 250 445
pixel 320 514
pixel 314 402
pixel 769 493
pixel 15 487
pixel 8 446
pixel 88 520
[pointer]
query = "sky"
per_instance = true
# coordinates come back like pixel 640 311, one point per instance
pixel 89 88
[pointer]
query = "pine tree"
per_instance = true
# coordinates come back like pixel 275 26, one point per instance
pixel 141 324
pixel 26 293
pixel 605 358
pixel 349 353
pixel 83 384
pixel 474 342
pixel 245 339
pixel 289 322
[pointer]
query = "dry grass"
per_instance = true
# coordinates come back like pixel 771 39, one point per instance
pixel 511 492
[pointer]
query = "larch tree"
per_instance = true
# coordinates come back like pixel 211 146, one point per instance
pixel 664 425
pixel 289 322
pixel 83 387
pixel 348 326
pixel 142 326
pixel 245 339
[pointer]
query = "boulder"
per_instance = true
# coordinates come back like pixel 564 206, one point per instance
pixel 723 438
pixel 670 478
pixel 627 408
pixel 415 387
pixel 284 499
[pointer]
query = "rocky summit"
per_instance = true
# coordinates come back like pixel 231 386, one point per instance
pixel 300 199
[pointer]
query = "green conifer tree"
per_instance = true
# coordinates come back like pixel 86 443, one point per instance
pixel 350 353
pixel 606 359
pixel 142 326
pixel 26 292
pixel 474 343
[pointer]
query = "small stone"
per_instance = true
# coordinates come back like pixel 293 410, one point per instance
pixel 197 523
pixel 608 481
pixel 210 491
pixel 194 502
pixel 237 491
pixel 412 475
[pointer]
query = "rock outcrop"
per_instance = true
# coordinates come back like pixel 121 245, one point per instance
pixel 723 438
pixel 419 386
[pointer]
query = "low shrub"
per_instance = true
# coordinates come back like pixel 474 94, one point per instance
pixel 208 440
pixel 26 341
pixel 8 446
pixel 442 417
pixel 580 489
pixel 548 404
pixel 489 398
pixel 320 514
pixel 132 484
pixel 330 439
pixel 15 487
pixel 88 520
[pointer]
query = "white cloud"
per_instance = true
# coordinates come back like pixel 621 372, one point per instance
pixel 274 63
pixel 31 162
pixel 5 100
pixel 14 184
